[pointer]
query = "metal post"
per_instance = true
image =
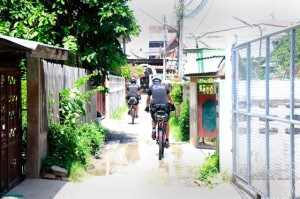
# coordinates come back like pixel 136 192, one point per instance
pixel 292 136
pixel 248 80
pixel 267 134
pixel 234 63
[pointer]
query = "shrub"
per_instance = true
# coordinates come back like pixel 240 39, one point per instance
pixel 71 143
pixel 181 126
pixel 184 120
pixel 176 94
pixel 210 168
pixel 175 128
pixel 77 172
pixel 66 145
pixel 94 134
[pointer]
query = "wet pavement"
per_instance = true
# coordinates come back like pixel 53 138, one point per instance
pixel 131 151
pixel 128 167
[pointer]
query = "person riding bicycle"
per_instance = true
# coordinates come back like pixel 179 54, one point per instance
pixel 134 90
pixel 160 95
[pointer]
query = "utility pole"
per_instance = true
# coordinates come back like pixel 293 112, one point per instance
pixel 165 48
pixel 180 38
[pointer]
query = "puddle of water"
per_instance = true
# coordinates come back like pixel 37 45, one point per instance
pixel 158 176
pixel 132 154
pixel 115 158
pixel 164 165
pixel 176 150
pixel 98 172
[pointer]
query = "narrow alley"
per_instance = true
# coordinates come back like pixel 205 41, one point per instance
pixel 128 167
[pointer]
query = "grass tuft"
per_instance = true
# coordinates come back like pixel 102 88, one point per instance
pixel 77 172
pixel 119 114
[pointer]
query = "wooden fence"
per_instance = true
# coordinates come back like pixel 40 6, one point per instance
pixel 58 77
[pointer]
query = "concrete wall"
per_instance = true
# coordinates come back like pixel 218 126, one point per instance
pixel 194 111
pixel 186 91
pixel 224 133
pixel 224 98
pixel 116 96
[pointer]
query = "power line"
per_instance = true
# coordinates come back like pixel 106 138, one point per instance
pixel 223 30
pixel 189 3
pixel 158 20
pixel 197 10
pixel 212 20
pixel 204 15
pixel 209 27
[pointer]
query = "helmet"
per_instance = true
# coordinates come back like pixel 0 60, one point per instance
pixel 133 80
pixel 156 79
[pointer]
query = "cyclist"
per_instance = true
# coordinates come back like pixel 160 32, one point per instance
pixel 160 95
pixel 134 90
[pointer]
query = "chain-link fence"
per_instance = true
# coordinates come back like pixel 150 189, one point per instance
pixel 266 114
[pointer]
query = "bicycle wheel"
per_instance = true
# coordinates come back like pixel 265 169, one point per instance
pixel 161 144
pixel 132 114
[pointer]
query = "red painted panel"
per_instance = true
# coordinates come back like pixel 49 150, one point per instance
pixel 101 103
pixel 201 131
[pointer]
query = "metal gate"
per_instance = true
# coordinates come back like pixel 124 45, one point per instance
pixel 10 125
pixel 266 114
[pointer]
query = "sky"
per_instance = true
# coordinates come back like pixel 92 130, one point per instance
pixel 216 15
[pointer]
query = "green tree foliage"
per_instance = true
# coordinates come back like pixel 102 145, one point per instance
pixel 90 28
pixel 140 70
pixel 280 56
pixel 72 101
pixel 126 70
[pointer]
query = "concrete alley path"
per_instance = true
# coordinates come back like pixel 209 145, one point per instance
pixel 128 167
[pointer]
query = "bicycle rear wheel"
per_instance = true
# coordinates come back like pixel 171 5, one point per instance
pixel 161 144
pixel 132 114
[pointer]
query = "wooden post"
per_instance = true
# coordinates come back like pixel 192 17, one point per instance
pixel 34 116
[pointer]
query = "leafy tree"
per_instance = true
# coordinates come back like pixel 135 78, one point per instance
pixel 125 71
pixel 280 56
pixel 140 70
pixel 90 28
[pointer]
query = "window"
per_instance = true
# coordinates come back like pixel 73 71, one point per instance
pixel 156 44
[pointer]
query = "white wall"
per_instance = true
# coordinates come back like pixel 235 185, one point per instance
pixel 116 96
pixel 225 113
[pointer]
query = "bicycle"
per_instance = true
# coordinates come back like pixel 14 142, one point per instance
pixel 132 101
pixel 160 117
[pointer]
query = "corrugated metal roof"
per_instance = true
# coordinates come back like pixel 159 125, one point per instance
pixel 204 61
pixel 32 45
pixel 37 48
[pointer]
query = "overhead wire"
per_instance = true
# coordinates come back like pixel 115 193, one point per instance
pixel 204 16
pixel 158 20
pixel 197 9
